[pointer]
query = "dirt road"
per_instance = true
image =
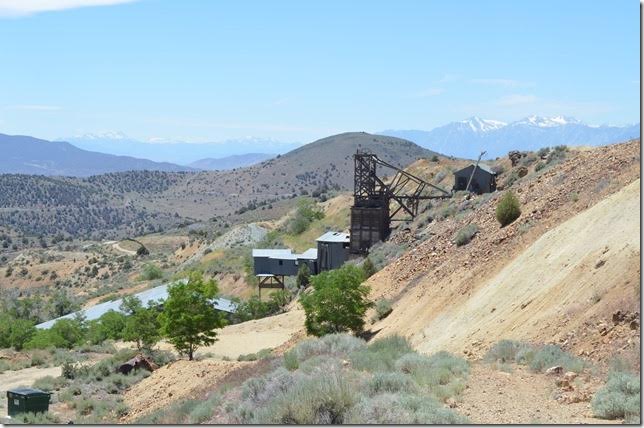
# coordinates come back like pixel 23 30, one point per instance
pixel 24 377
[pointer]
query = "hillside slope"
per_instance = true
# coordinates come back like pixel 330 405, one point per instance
pixel 112 202
pixel 28 155
pixel 515 283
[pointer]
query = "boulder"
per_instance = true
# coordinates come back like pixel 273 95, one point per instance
pixel 556 370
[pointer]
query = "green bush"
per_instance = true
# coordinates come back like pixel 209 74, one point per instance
pixel 383 309
pixel 290 360
pixel 337 303
pixel 260 355
pixel 465 235
pixel 203 411
pixel 150 272
pixel 619 398
pixel 40 418
pixel 507 210
pixel 306 212
pixel 506 351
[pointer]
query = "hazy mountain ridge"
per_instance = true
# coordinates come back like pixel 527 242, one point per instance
pixel 27 155
pixel 467 138
pixel 230 162
pixel 160 150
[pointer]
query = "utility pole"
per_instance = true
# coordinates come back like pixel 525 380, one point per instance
pixel 467 188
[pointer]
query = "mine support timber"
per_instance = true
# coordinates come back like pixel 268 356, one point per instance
pixel 371 213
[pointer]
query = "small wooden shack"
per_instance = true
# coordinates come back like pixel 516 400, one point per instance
pixel 483 180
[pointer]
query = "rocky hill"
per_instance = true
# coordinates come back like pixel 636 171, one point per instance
pixel 558 273
pixel 117 203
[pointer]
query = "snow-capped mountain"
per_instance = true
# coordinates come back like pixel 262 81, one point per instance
pixel 467 138
pixel 477 124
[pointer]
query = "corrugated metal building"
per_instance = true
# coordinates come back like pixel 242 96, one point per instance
pixel 283 262
pixel 333 250
pixel 483 181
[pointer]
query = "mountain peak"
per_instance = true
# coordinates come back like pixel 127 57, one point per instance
pixel 547 122
pixel 483 125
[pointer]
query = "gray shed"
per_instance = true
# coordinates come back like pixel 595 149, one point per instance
pixel 333 250
pixel 483 181
pixel 283 262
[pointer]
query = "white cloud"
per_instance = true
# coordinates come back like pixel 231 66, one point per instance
pixel 506 83
pixel 35 107
pixel 29 7
pixel 431 92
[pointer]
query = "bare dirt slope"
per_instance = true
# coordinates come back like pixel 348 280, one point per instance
pixel 172 382
pixel 24 377
pixel 513 282
pixel 519 397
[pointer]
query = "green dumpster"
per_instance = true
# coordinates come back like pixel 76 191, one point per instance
pixel 24 400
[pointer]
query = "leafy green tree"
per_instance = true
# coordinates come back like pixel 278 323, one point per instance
pixel 109 326
pixel 151 271
pixel 508 209
pixel 278 301
pixel 338 302
pixel 65 333
pixel 62 304
pixel 368 268
pixel 21 332
pixel 189 318
pixel 142 325
pixel 303 278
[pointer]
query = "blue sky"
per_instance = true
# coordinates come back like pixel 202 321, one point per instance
pixel 300 70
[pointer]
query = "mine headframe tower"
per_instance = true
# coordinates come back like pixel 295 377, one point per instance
pixel 377 203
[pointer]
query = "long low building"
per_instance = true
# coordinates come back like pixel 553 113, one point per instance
pixel 331 253
pixel 155 294
pixel 283 261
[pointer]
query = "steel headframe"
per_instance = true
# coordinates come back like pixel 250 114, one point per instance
pixel 405 189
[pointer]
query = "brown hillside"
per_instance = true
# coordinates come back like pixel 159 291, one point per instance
pixel 513 282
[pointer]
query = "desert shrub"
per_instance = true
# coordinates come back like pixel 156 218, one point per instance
pixel 465 235
pixel 311 400
pixel 552 355
pixel 150 271
pixel 543 152
pixel 539 166
pixel 507 210
pixel 368 268
pixel 290 360
pixel 557 154
pixel 40 418
pixel 383 309
pixel 203 411
pixel 391 382
pixel 443 373
pixel 395 409
pixel 333 344
pixel 381 354
pixel 507 351
pixel 383 253
pixel 50 383
pixel 262 389
pixel 260 355
pixel 619 398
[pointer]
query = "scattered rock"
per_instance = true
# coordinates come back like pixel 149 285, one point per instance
pixel 556 370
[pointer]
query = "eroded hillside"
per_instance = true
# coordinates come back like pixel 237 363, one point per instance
pixel 558 273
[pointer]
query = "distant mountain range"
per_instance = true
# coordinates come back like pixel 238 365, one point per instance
pixel 230 162
pixel 467 138
pixel 117 143
pixel 27 155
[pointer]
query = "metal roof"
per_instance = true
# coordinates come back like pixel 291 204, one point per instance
pixel 482 166
pixel 311 253
pixel 285 254
pixel 159 293
pixel 272 252
pixel 334 237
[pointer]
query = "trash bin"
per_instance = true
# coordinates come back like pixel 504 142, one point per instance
pixel 24 400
